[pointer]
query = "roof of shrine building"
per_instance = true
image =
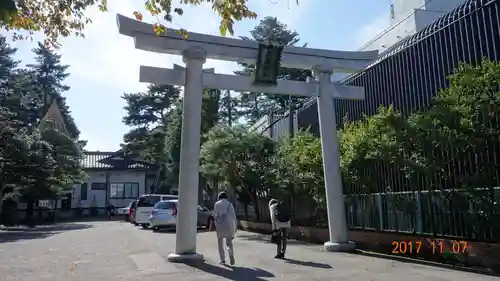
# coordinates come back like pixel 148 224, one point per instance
pixel 99 160
pixel 51 113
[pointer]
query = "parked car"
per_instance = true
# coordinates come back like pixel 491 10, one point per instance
pixel 164 215
pixel 145 205
pixel 123 211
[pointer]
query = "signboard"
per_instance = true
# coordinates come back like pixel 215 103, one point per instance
pixel 268 64
pixel 44 204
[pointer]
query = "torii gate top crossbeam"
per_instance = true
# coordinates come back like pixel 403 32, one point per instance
pixel 229 49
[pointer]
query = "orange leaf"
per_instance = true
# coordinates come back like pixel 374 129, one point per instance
pixel 138 16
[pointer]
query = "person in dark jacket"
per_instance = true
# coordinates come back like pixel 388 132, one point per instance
pixel 111 211
pixel 281 223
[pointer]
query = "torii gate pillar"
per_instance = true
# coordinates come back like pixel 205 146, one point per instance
pixel 185 235
pixel 337 225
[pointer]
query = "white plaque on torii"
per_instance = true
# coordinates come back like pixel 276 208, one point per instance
pixel 195 50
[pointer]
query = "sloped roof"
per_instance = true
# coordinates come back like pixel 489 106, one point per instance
pixel 53 111
pixel 99 160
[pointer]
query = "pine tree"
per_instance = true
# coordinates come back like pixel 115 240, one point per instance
pixel 146 114
pixel 50 75
pixel 16 88
pixel 173 146
pixel 255 105
pixel 7 63
pixel 150 108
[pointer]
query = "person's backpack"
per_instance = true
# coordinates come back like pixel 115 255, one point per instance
pixel 283 213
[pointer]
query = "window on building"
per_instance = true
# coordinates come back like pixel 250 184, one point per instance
pixel 49 124
pixel 98 186
pixel 83 191
pixel 124 190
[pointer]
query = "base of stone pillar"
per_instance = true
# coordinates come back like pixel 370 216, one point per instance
pixel 339 247
pixel 173 257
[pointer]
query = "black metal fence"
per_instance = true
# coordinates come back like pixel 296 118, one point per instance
pixel 407 76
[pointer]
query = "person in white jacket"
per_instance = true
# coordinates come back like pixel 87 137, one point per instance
pixel 225 226
pixel 280 222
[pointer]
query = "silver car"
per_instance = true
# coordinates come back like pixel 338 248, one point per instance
pixel 164 215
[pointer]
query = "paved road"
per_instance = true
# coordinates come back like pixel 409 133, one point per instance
pixel 120 251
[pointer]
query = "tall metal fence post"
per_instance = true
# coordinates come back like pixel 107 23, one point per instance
pixel 378 201
pixel 419 224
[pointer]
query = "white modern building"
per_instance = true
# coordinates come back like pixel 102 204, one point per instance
pixel 407 17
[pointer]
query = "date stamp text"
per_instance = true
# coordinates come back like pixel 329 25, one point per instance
pixel 414 247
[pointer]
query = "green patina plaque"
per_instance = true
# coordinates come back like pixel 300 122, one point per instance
pixel 268 64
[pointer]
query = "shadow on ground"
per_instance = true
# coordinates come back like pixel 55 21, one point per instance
pixel 266 238
pixel 308 263
pixel 172 230
pixel 232 272
pixel 12 234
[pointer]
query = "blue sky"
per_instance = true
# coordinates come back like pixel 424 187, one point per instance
pixel 105 64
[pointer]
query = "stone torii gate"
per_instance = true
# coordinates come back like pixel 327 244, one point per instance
pixel 195 50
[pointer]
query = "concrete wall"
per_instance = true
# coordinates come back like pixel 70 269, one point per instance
pixel 391 35
pixel 410 17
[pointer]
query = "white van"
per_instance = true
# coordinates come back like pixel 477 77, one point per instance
pixel 145 207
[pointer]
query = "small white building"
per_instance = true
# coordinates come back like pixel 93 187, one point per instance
pixel 113 178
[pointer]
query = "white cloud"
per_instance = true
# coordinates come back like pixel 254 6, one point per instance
pixel 371 30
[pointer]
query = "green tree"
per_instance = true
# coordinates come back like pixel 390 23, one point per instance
pixel 370 142
pixel 49 83
pixel 7 64
pixel 156 117
pixel 14 83
pixel 150 108
pixel 58 18
pixel 22 97
pixel 148 114
pixel 26 164
pixel 299 175
pixel 457 140
pixel 240 159
pixel 462 121
pixel 228 109
pixel 67 154
pixel 210 110
pixel 255 105
pixel 173 132
pixel 368 146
